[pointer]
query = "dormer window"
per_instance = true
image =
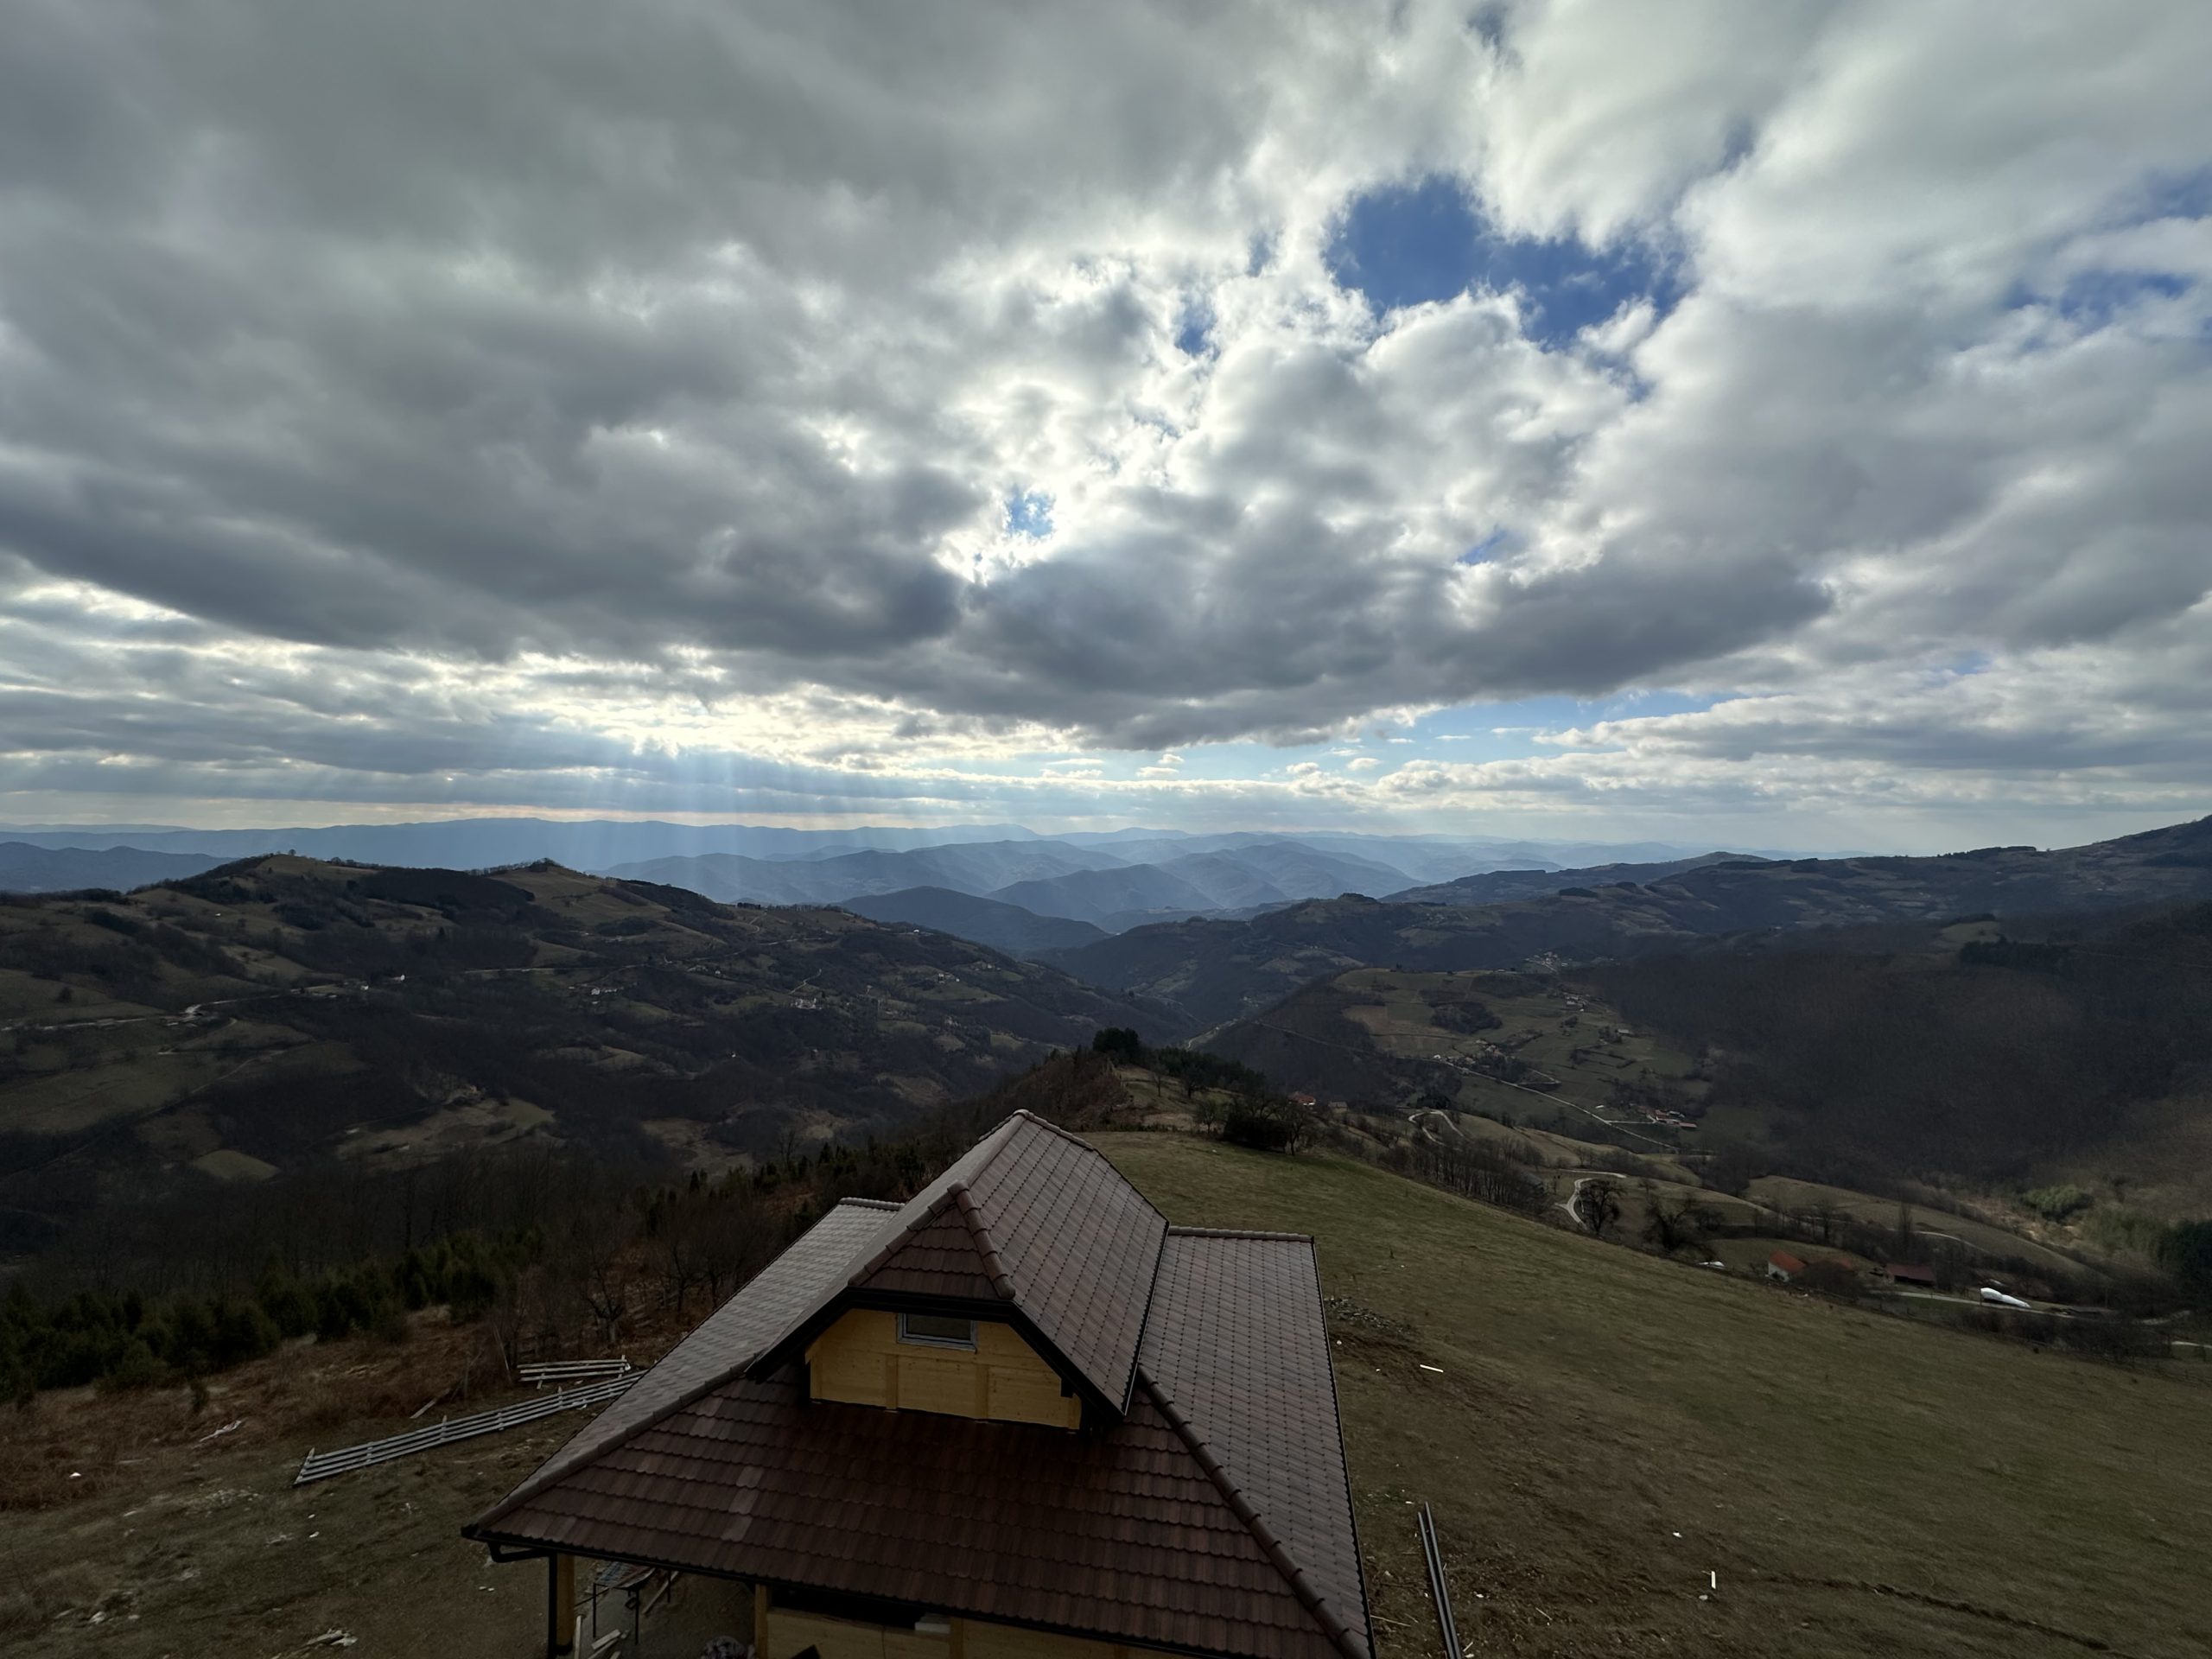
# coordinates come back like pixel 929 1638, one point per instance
pixel 937 1331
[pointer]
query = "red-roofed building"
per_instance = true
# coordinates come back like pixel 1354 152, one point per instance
pixel 1783 1266
pixel 1920 1276
pixel 1018 1417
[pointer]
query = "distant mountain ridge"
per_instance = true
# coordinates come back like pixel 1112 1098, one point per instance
pixel 1005 927
pixel 1496 886
pixel 976 868
pixel 1215 970
pixel 28 869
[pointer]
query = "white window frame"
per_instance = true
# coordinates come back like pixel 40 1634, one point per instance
pixel 922 1341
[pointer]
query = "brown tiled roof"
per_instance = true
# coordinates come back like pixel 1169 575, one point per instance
pixel 1238 1354
pixel 1033 1216
pixel 1214 1515
pixel 727 1338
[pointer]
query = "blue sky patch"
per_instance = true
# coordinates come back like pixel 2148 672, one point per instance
pixel 1410 244
pixel 1194 329
pixel 1029 513
pixel 1498 542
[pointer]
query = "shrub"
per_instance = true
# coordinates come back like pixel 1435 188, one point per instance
pixel 1266 1126
pixel 2057 1203
pixel 137 1366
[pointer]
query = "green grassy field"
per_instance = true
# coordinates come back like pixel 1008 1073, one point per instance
pixel 1561 1032
pixel 1608 1430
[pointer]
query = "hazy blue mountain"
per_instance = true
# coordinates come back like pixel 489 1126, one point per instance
pixel 976 868
pixel 25 868
pixel 1496 886
pixel 1114 837
pixel 1226 882
pixel 1215 969
pixel 476 844
pixel 1005 927
pixel 1096 895
pixel 1300 870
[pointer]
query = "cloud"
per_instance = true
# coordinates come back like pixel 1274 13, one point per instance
pixel 778 405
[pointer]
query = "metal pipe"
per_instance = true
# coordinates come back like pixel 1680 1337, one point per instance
pixel 1433 1553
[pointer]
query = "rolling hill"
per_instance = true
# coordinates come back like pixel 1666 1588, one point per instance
pixel 1001 926
pixel 282 1011
pixel 1217 970
pixel 1105 898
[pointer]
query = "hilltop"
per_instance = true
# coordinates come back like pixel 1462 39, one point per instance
pixel 283 1013
pixel 1624 1455
pixel 1218 970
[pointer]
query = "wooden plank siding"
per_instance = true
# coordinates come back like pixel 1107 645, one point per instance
pixel 860 1361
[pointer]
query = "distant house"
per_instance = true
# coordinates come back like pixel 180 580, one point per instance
pixel 1783 1266
pixel 1919 1275
pixel 1018 1417
pixel 1303 1099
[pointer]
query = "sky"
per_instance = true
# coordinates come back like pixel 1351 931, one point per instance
pixel 1765 424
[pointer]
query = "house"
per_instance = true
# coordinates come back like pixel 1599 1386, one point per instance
pixel 1017 1417
pixel 1919 1276
pixel 1783 1266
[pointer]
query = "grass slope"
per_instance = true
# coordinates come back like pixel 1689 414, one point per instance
pixel 1859 1485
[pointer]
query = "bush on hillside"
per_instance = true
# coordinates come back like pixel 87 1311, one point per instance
pixel 2057 1203
pixel 1264 1125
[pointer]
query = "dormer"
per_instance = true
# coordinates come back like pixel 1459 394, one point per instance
pixel 1012 1287
pixel 952 1363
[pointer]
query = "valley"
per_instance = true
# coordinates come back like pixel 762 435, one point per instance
pixel 286 1014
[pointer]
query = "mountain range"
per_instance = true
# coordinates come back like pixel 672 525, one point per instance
pixel 1109 880
pixel 25 867
pixel 1215 969
pixel 282 1011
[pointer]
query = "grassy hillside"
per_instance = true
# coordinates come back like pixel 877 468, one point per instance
pixel 1217 971
pixel 1607 1429
pixel 1602 1431
pixel 1798 1063
pixel 2061 1054
pixel 285 1013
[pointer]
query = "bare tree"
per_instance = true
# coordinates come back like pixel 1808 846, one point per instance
pixel 1681 1224
pixel 1598 1206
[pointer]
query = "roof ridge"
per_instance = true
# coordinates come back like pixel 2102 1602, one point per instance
pixel 1341 1636
pixel 869 1203
pixel 971 1214
pixel 889 1248
pixel 1239 1232
pixel 1073 1139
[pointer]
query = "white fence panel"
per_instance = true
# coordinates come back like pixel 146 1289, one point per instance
pixel 574 1370
pixel 321 1465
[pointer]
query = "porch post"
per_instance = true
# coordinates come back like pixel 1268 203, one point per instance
pixel 564 1604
